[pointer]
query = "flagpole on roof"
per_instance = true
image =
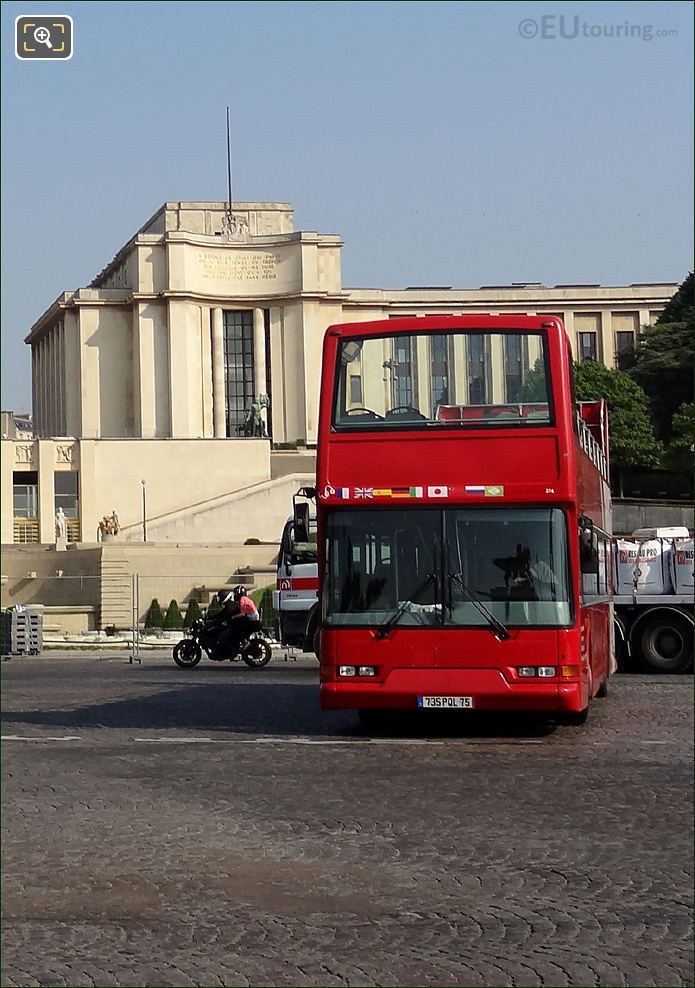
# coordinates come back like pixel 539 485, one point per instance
pixel 229 168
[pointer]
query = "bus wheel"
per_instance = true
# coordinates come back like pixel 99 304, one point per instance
pixel 665 644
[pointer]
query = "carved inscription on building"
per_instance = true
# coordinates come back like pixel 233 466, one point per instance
pixel 238 267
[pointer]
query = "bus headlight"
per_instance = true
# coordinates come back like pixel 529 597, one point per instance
pixel 536 672
pixel 357 670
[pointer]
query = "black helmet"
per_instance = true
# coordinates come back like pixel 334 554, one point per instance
pixel 239 591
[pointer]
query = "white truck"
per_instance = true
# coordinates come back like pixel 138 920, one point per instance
pixel 296 594
pixel 653 601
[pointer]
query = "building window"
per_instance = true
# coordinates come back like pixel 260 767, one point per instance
pixel 401 367
pixel 66 488
pixel 588 346
pixel 25 506
pixel 238 368
pixel 477 370
pixel 439 372
pixel 624 348
pixel 355 390
pixel 515 364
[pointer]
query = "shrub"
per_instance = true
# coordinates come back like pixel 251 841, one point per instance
pixel 252 542
pixel 174 618
pixel 263 599
pixel 193 612
pixel 154 617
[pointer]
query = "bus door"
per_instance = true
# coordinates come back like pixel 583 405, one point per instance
pixel 596 563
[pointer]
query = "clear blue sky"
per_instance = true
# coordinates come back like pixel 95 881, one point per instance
pixel 442 145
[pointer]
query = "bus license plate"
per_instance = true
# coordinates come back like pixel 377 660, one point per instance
pixel 446 702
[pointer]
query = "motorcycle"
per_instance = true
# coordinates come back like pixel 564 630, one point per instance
pixel 254 649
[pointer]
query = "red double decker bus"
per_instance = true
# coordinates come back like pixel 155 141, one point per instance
pixel 463 514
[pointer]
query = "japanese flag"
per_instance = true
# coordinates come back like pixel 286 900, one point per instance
pixel 437 492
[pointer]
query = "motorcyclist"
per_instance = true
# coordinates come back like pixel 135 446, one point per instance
pixel 237 618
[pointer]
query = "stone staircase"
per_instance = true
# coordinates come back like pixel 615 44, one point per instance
pixel 116 592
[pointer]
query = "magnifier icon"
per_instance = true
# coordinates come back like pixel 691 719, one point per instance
pixel 43 36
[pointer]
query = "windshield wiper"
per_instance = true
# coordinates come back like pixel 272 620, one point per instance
pixel 499 630
pixel 412 599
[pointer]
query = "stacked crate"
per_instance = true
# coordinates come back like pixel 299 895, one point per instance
pixel 22 632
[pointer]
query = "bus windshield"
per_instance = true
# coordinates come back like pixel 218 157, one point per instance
pixel 454 379
pixel 433 566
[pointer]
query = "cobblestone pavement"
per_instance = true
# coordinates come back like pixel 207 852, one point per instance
pixel 212 827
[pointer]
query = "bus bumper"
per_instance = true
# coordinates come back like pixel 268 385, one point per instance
pixel 489 688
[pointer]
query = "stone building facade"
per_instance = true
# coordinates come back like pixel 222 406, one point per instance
pixel 159 387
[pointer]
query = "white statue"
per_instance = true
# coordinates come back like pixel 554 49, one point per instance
pixel 115 524
pixel 61 525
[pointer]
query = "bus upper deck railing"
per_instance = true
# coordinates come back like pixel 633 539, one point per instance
pixel 591 447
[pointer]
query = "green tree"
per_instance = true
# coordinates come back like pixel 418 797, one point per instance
pixel 632 441
pixel 663 363
pixel 214 607
pixel 154 617
pixel 535 387
pixel 173 619
pixel 193 612
pixel 679 307
pixel 680 455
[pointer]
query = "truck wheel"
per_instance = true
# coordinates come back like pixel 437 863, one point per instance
pixel 665 644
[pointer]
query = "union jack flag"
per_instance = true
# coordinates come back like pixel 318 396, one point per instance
pixel 364 492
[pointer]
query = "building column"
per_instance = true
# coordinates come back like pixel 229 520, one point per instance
pixel 143 376
pixel 259 382
pixel 644 320
pixel 40 388
pixel 52 363
pixel 607 352
pixel 90 375
pixel 498 369
pixel 219 421
pixel 72 374
pixel 47 511
pixel 60 370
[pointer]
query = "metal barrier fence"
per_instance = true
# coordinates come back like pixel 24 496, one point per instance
pixel 135 610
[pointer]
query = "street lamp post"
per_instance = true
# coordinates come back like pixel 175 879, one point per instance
pixel 144 511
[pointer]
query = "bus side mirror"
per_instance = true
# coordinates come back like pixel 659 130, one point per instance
pixel 586 524
pixel 301 522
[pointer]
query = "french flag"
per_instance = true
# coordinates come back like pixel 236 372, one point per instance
pixel 343 492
